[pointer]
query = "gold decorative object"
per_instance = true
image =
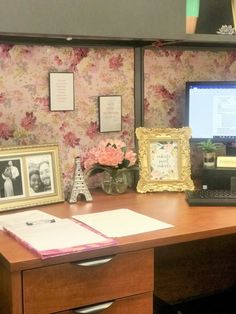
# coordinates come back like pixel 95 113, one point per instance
pixel 30 176
pixel 164 157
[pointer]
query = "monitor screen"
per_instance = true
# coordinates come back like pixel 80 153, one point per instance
pixel 211 110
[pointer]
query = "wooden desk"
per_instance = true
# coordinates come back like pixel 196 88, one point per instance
pixel 30 285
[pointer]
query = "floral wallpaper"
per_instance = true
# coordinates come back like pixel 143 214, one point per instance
pixel 165 74
pixel 25 117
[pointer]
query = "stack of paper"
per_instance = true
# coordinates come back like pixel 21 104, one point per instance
pixel 23 217
pixel 121 222
pixel 52 238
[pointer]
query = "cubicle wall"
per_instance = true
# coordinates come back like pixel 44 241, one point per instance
pixel 129 19
pixel 25 117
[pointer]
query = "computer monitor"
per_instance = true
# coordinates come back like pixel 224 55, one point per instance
pixel 210 110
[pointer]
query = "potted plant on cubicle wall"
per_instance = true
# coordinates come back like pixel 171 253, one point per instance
pixel 208 149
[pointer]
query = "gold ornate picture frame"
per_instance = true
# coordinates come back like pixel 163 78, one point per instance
pixel 164 159
pixel 29 176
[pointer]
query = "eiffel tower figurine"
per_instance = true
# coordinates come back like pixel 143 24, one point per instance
pixel 79 186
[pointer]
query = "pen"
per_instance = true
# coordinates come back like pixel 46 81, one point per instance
pixel 42 221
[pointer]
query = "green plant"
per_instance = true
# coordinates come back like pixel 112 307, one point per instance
pixel 207 146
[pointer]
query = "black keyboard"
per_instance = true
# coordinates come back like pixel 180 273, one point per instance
pixel 211 198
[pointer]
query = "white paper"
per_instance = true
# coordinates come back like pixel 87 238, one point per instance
pixel 65 233
pixel 62 91
pixel 121 222
pixel 21 218
pixel 110 113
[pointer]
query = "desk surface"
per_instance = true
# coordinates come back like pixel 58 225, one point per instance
pixel 190 223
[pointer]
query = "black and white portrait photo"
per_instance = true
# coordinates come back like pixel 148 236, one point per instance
pixel 11 184
pixel 40 174
pixel 29 176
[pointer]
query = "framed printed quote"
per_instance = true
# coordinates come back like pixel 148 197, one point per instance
pixel 164 156
pixel 110 113
pixel 61 85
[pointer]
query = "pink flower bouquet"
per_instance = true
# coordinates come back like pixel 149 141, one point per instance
pixel 110 156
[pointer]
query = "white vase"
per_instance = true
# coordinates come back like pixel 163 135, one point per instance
pixel 209 160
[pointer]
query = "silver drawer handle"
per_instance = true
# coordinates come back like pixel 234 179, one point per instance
pixel 95 262
pixel 93 308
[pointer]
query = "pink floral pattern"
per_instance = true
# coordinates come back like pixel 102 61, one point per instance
pixel 92 130
pixel 5 132
pixel 116 62
pixel 28 122
pixel 71 140
pixel 166 71
pixel 25 116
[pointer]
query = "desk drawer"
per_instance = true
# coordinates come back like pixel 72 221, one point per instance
pixel 66 286
pixel 139 304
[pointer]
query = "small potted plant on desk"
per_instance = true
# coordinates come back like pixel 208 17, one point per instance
pixel 209 153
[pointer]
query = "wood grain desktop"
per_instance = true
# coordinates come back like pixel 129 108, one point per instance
pixel 172 263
